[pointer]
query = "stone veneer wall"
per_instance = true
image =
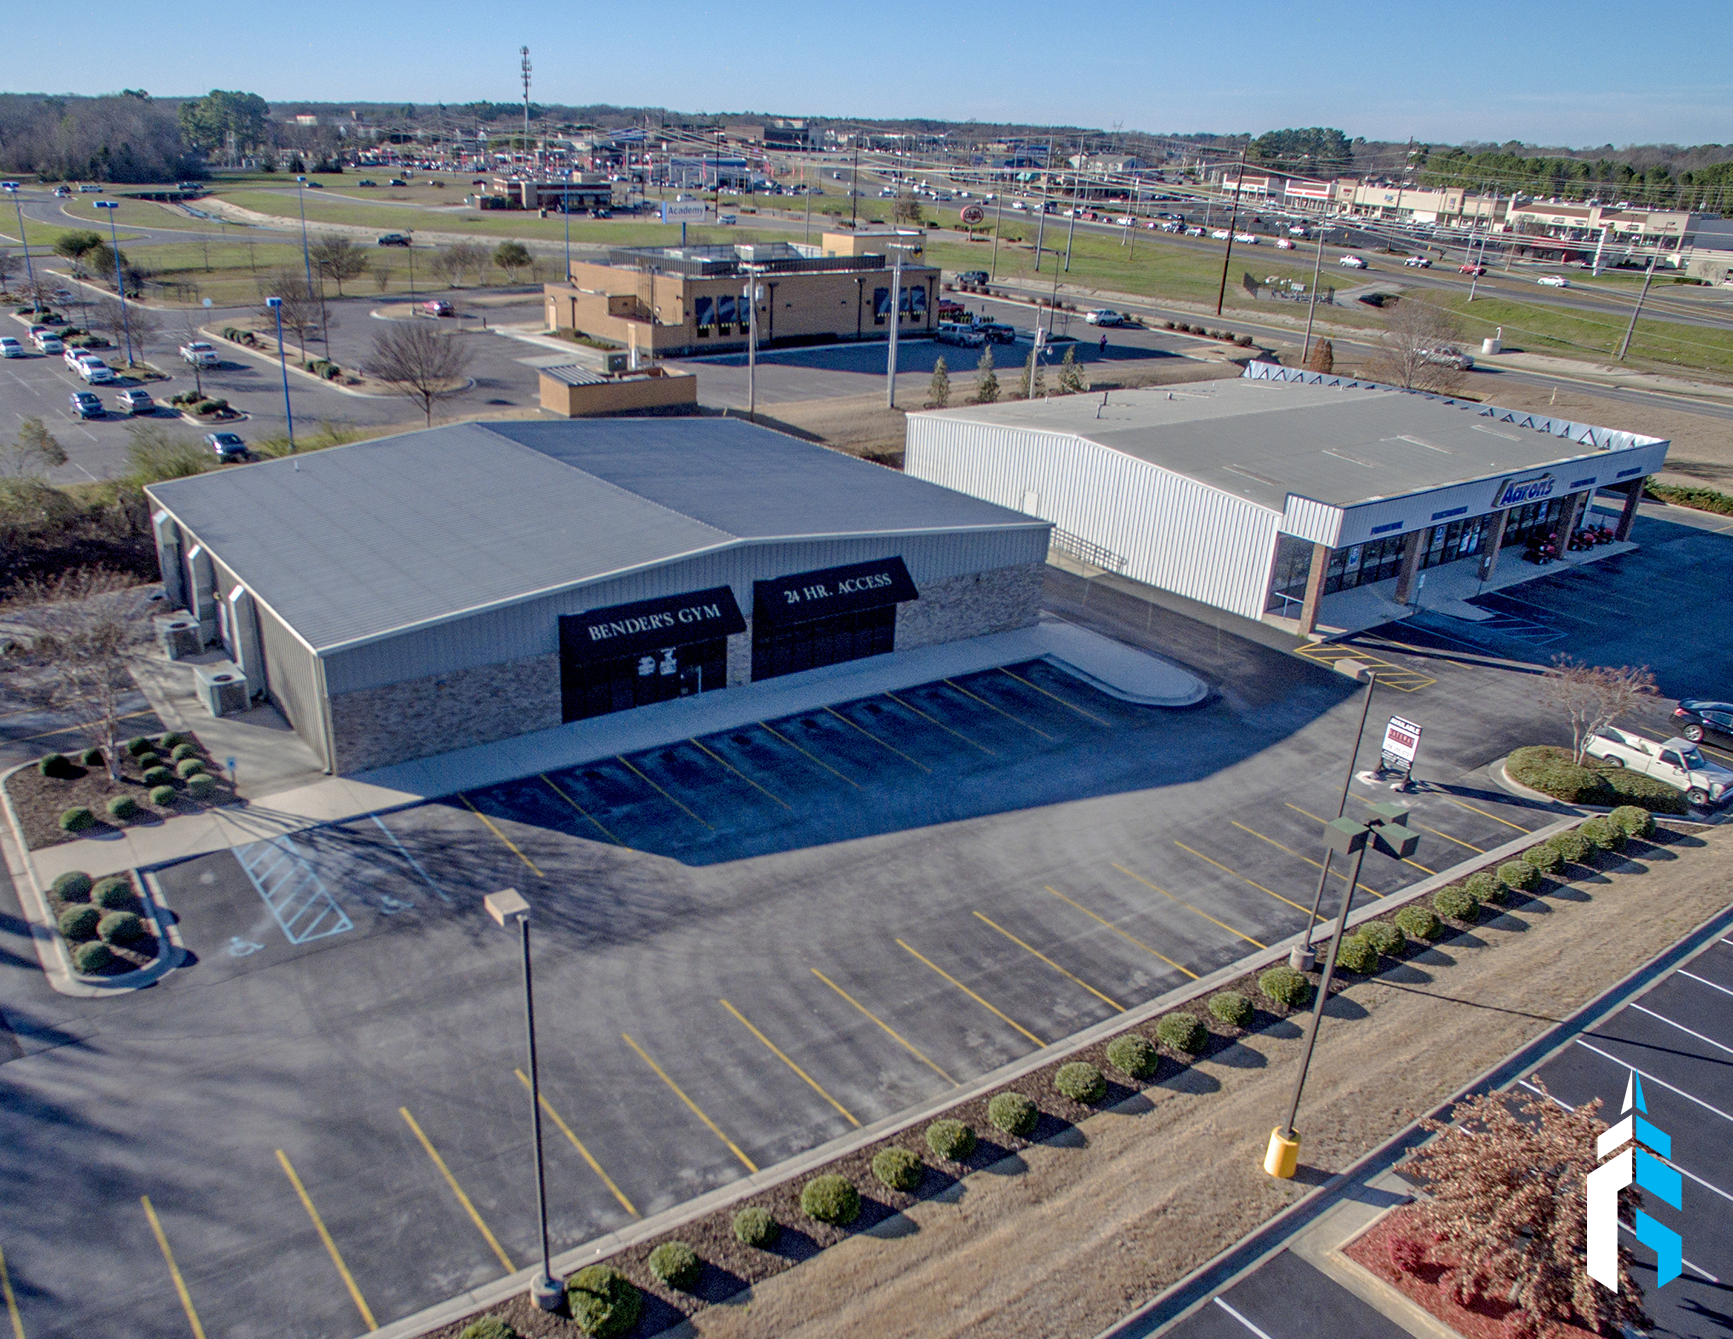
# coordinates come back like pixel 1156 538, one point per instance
pixel 972 605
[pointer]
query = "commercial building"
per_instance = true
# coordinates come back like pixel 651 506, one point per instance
pixel 1274 495
pixel 583 392
pixel 455 586
pixel 585 192
pixel 692 299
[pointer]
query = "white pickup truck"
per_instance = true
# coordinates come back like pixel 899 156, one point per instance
pixel 1678 762
pixel 199 354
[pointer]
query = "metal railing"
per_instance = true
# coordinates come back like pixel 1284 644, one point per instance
pixel 1087 551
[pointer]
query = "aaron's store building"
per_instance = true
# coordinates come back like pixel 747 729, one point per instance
pixel 445 588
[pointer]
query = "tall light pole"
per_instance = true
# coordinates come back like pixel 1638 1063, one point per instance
pixel 751 294
pixel 998 227
pixel 1388 831
pixel 119 278
pixel 506 906
pixel 896 320
pixel 306 252
pixel 11 188
pixel 524 67
pixel 1301 959
pixel 1312 305
pixel 1625 343
pixel 276 306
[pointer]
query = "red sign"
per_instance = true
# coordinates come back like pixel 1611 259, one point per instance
pixel 973 214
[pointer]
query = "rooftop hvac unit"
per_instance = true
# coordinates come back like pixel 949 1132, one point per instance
pixel 222 688
pixel 178 635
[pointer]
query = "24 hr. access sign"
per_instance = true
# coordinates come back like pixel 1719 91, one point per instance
pixel 1401 740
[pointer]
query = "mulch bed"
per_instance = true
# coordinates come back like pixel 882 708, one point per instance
pixel 729 1266
pixel 40 800
pixel 141 952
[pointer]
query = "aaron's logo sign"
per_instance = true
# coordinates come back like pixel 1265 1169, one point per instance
pixel 1520 492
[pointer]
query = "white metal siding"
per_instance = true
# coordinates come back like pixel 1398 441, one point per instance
pixel 1173 532
pixel 1317 521
pixel 293 680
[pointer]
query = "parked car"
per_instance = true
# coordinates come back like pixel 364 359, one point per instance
pixel 397 181
pixel 1194 232
pixel 94 371
pixel 315 185
pixel 365 182
pixel 10 347
pixel 48 342
pixel 1219 234
pixel 1448 355
pixel 1678 762
pixel 137 401
pixel 952 332
pixel 1352 262
pixel 1020 206
pixel 392 239
pixel 1696 717
pixel 1418 263
pixel 1284 244
pixel 1106 316
pixel 1468 267
pixel 62 192
pixel 199 354
pixel 85 404
pixel 1553 281
pixel 65 295
pixel 72 357
pixel 437 307
pixel 1249 238
pixel 996 332
pixel 226 445
pixel 972 277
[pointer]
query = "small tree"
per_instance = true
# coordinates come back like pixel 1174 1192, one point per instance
pixel 939 390
pixel 986 380
pixel 419 362
pixel 381 274
pixel 1073 380
pixel 1508 1179
pixel 452 263
pixel 511 257
pixel 139 324
pixel 34 451
pixel 75 246
pixel 906 209
pixel 1322 357
pixel 339 259
pixel 1593 696
pixel 1409 353
pixel 73 647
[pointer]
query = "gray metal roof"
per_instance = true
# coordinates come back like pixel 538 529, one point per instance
pixel 357 541
pixel 573 375
pixel 1262 440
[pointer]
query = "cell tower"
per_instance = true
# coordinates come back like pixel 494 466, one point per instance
pixel 524 62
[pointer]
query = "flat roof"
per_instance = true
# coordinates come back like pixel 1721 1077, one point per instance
pixel 356 542
pixel 1338 444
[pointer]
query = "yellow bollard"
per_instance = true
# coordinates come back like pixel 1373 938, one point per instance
pixel 1283 1155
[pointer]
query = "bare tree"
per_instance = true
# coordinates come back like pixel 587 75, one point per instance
pixel 339 259
pixel 419 362
pixel 381 273
pixel 33 452
pixel 75 637
pixel 139 324
pixel 1508 1180
pixel 1418 350
pixel 9 266
pixel 1593 696
pixel 300 310
pixel 906 209
pixel 452 263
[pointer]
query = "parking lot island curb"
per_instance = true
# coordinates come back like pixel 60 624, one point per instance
pixel 612 1243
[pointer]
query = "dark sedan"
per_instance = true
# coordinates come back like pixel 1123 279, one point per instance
pixel 1697 717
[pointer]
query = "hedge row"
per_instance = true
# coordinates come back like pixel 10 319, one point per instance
pixel 1553 771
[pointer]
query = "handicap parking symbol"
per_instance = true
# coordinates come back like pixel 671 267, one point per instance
pixel 242 948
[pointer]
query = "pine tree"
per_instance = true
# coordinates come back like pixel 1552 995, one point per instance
pixel 1072 379
pixel 1322 358
pixel 986 383
pixel 939 392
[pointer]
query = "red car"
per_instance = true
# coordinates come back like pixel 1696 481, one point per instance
pixel 437 307
pixel 1468 267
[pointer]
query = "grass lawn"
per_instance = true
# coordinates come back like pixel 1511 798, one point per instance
pixel 45 235
pixel 1539 326
pixel 137 213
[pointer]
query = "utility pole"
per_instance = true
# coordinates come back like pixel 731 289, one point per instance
pixel 524 64
pixel 752 343
pixel 854 187
pixel 1041 227
pixel 1233 217
pixel 1312 305
pixel 998 227
pixel 1648 277
pixel 896 320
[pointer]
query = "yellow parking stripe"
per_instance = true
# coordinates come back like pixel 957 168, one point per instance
pixel 972 995
pixel 691 1106
pixel 1107 924
pixel 173 1269
pixel 1494 817
pixel 1027 948
pixel 330 1245
pixel 811 757
pixel 742 775
pixel 875 739
pixel 779 1054
pixel 463 1199
pixel 896 1036
pixel 990 707
pixel 664 794
pixel 936 721
pixel 1189 907
pixel 1390 674
pixel 1055 696
pixel 580 808
pixel 1478 850
pixel 1417 865
pixel 11 1301
pixel 496 832
pixel 1254 883
pixel 1308 859
pixel 578 1144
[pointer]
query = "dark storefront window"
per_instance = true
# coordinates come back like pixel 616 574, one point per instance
pixel 604 686
pixel 1459 539
pixel 725 313
pixel 881 305
pixel 1362 564
pixel 631 655
pixel 808 619
pixel 1288 575
pixel 703 314
pixel 1534 522
pixel 823 641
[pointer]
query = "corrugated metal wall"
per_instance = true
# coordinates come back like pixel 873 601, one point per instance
pixel 1173 532
pixel 293 679
pixel 532 627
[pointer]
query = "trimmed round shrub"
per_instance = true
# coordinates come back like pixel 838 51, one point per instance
pixel 1554 771
pixel 1133 1055
pixel 92 957
pixel 603 1301
pixel 146 761
pixel 950 1139
pixel 182 751
pixel 1081 1082
pixel 899 1169
pixel 72 886
pixel 753 1226
pixel 676 1264
pixel 1545 858
pixel 80 922
pixel 122 807
pixel 1182 1031
pixel 162 796
pixel 1357 954
pixel 1284 985
pixel 1457 903
pixel 1385 937
pixel 140 745
pixel 1419 923
pixel 830 1199
pixel 1013 1113
pixel 1483 886
pixel 1604 833
pixel 56 765
pixel 1518 875
pixel 113 894
pixel 159 776
pixel 1572 846
pixel 488 1327
pixel 77 819
pixel 1230 1007
pixel 188 767
pixel 91 758
pixel 1633 820
pixel 119 927
pixel 201 786
pixel 171 740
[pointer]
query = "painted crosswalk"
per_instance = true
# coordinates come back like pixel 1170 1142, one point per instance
pixel 296 896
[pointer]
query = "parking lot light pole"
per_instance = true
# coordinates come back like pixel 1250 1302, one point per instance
pixel 119 278
pixel 1312 302
pixel 1388 831
pixel 1302 958
pixel 506 906
pixel 896 320
pixel 306 254
pixel 276 306
pixel 11 188
pixel 751 293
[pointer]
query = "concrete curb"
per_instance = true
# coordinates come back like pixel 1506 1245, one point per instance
pixel 569 1262
pixel 298 371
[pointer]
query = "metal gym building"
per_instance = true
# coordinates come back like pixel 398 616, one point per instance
pixel 455 586
pixel 1270 495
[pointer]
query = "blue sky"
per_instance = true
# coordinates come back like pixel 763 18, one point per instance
pixel 1586 74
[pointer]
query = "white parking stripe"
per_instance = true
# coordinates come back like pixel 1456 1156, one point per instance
pixel 1625 1064
pixel 1241 1319
pixel 1695 1269
pixel 1701 980
pixel 1707 1185
pixel 1687 1031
